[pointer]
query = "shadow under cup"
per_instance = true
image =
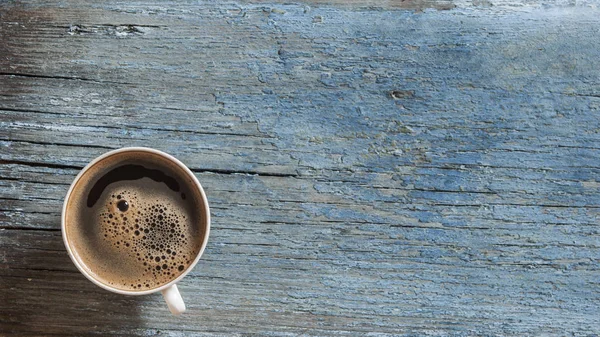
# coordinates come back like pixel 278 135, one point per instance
pixel 135 221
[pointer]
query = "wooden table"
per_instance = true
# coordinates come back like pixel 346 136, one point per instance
pixel 374 168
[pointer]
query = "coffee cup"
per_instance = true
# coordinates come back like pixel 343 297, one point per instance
pixel 136 221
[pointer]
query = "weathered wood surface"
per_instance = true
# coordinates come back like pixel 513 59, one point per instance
pixel 394 168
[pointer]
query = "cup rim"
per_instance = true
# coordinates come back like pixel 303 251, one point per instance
pixel 176 161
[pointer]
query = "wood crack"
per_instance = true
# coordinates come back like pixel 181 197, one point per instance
pixel 245 172
pixel 195 170
pixel 32 111
pixel 58 144
pixel 39 164
pixel 33 181
pixel 60 77
pixel 194 131
pixel 24 228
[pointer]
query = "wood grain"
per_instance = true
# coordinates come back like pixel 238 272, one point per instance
pixel 394 168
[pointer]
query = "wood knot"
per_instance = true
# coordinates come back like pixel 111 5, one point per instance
pixel 402 94
pixel 75 30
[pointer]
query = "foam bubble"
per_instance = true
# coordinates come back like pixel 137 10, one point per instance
pixel 158 223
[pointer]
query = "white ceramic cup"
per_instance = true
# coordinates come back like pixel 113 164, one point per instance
pixel 169 290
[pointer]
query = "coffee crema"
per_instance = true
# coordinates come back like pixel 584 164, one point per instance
pixel 134 222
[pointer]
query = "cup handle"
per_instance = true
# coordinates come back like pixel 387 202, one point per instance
pixel 174 300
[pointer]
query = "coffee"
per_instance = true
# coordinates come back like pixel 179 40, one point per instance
pixel 133 221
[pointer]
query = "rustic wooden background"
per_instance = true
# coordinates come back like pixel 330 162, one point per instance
pixel 374 167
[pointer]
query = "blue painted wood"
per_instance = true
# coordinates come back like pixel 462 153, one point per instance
pixel 406 168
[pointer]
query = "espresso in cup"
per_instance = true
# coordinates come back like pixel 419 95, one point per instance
pixel 133 221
